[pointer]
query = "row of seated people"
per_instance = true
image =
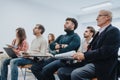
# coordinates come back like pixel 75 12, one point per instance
pixel 95 58
pixel 19 49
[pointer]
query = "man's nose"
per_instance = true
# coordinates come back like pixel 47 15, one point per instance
pixel 96 18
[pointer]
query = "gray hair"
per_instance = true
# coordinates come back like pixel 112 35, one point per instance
pixel 107 13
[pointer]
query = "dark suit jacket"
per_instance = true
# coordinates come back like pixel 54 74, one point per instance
pixel 104 52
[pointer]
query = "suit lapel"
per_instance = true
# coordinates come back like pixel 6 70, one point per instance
pixel 98 38
pixel 102 36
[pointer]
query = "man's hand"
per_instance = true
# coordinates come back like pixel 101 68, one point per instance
pixel 57 46
pixel 64 45
pixel 57 51
pixel 79 56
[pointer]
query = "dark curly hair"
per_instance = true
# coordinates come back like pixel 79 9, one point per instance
pixel 74 21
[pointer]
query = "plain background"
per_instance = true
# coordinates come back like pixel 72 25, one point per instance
pixel 51 14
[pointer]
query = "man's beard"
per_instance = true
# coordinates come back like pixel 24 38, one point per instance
pixel 67 30
pixel 86 36
pixel 34 33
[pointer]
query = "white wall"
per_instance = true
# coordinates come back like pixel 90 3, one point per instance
pixel 89 19
pixel 19 13
pixel 27 13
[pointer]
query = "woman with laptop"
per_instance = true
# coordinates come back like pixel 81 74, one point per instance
pixel 19 44
pixel 38 48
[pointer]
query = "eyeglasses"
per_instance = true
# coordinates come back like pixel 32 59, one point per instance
pixel 102 15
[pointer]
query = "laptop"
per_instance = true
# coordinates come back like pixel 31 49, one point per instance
pixel 10 52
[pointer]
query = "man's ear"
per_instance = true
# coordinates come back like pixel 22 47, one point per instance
pixel 108 18
pixel 40 31
pixel 73 26
pixel 91 34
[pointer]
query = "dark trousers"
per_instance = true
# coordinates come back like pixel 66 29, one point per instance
pixel 44 70
pixel 74 73
pixel 64 73
pixel 38 67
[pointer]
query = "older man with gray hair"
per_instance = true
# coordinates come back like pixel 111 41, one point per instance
pixel 100 59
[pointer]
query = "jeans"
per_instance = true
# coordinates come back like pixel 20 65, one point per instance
pixel 14 63
pixel 45 69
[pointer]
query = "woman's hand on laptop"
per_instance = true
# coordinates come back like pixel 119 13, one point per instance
pixel 10 46
pixel 23 54
pixel 14 50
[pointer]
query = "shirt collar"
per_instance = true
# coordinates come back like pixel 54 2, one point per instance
pixel 39 36
pixel 103 28
pixel 88 41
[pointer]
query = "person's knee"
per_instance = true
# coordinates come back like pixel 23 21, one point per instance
pixel 50 68
pixel 4 61
pixel 77 74
pixel 13 62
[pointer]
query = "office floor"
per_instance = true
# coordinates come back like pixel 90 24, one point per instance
pixel 29 76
